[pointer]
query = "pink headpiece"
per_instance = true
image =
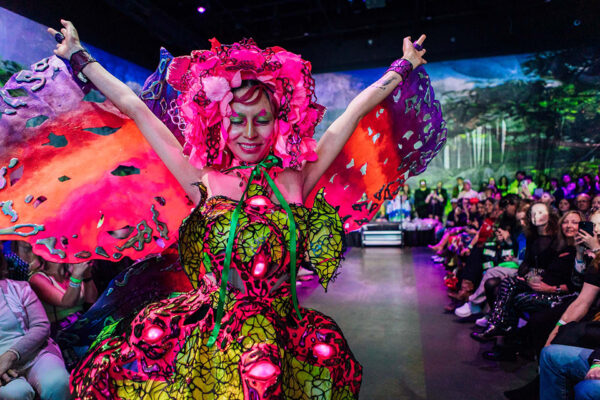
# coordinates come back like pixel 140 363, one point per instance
pixel 206 79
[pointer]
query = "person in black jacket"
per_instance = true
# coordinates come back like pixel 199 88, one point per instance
pixel 545 276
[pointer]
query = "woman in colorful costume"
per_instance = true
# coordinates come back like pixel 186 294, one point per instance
pixel 236 132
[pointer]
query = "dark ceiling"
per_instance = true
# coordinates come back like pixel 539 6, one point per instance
pixel 332 34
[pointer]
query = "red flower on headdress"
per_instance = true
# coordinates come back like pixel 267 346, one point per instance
pixel 206 79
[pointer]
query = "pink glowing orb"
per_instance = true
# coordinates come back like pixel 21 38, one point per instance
pixel 153 333
pixel 260 201
pixel 201 10
pixel 263 370
pixel 259 269
pixel 323 350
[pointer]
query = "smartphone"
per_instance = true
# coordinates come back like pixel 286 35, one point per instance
pixel 587 226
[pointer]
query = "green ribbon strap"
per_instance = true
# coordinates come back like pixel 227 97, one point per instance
pixel 260 168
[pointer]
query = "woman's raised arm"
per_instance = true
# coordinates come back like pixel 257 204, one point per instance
pixel 342 128
pixel 156 133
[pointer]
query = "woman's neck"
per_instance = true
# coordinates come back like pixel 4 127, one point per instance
pixel 541 229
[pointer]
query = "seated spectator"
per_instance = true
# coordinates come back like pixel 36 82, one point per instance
pixel 62 288
pixel 30 362
pixel 501 258
pixel 564 205
pixel 503 185
pixel 596 203
pixel 547 198
pixel 420 195
pixel 458 187
pixel 544 277
pixel 406 205
pixel 527 187
pixel 467 192
pixel 588 247
pixel 583 203
pixel 568 369
pixel 436 201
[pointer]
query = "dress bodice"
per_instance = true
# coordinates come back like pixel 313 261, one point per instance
pixel 260 254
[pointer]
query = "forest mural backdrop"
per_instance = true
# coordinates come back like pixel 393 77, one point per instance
pixel 539 112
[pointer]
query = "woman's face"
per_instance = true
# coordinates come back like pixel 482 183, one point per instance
pixel 570 225
pixel 563 205
pixel 595 219
pixel 596 202
pixel 521 217
pixel 539 215
pixel 546 198
pixel 252 129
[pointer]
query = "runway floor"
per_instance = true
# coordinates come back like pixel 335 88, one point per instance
pixel 389 303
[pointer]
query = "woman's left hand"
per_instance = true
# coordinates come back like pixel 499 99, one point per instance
pixel 7 360
pixel 542 287
pixel 593 373
pixel 413 55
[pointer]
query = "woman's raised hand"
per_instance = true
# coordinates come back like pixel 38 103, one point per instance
pixel 411 52
pixel 70 44
pixel 81 270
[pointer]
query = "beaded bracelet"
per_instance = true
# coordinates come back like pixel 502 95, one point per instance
pixel 402 67
pixel 75 280
pixel 560 322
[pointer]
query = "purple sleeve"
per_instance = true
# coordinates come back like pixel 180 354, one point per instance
pixel 39 326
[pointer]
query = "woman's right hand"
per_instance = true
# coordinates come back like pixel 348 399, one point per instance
pixel 81 270
pixel 70 44
pixel 590 241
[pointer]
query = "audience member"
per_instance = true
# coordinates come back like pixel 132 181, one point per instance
pixel 420 196
pixel 467 192
pixel 30 362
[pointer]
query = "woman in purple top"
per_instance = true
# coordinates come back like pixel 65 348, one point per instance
pixel 30 362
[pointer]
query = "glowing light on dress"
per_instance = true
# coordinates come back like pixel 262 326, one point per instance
pixel 263 370
pixel 323 350
pixel 153 333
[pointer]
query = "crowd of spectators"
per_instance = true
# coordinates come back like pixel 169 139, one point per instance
pixel 521 262
pixel 39 301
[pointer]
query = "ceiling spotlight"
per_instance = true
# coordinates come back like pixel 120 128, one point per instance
pixel 452 39
pixel 370 42
pixel 201 10
pixel 577 22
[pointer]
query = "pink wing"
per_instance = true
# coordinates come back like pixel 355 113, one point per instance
pixel 395 141
pixel 78 180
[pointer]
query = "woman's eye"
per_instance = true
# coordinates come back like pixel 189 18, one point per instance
pixel 236 120
pixel 263 120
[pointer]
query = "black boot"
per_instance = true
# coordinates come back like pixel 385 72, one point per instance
pixel 489 334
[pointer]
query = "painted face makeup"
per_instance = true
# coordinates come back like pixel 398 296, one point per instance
pixel 251 133
pixel 539 215
pixel 570 225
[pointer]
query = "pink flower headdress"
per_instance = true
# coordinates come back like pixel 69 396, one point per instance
pixel 206 79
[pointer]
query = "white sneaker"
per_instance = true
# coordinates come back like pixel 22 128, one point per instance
pixel 483 321
pixel 464 310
